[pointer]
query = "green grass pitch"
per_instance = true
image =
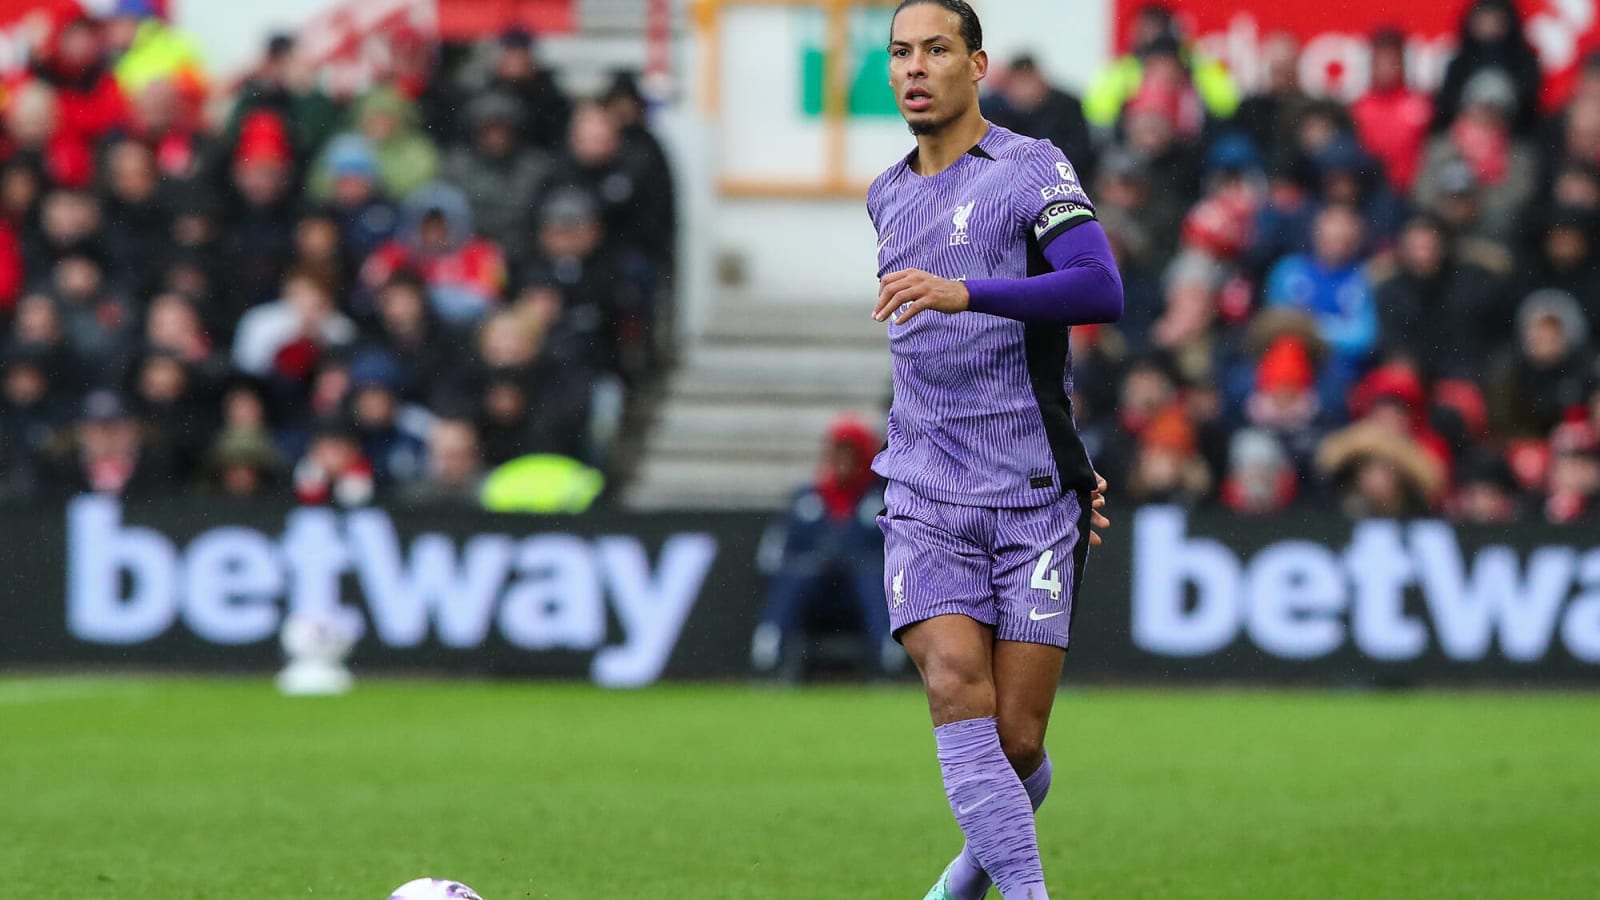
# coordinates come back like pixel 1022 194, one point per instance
pixel 154 789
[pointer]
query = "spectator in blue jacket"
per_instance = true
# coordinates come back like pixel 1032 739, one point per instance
pixel 1331 284
pixel 828 548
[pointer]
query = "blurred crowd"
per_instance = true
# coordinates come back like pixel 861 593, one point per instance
pixel 268 291
pixel 1386 307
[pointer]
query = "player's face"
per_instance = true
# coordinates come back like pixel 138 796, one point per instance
pixel 935 78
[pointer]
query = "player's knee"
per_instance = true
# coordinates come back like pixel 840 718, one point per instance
pixel 1023 746
pixel 957 691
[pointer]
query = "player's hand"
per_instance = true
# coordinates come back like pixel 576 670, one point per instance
pixel 1097 521
pixel 922 291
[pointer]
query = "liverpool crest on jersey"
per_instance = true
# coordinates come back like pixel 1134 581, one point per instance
pixel 959 220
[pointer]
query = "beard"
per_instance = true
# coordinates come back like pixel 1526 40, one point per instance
pixel 929 126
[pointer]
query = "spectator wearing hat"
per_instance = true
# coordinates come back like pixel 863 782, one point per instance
pixel 389 431
pixel 1436 305
pixel 625 104
pixel 1283 400
pixel 1142 224
pixel 1395 398
pixel 1168 467
pixel 1486 491
pixel 32 413
pixel 108 453
pixel 1156 128
pixel 334 470
pixel 283 341
pixel 258 223
pixel 1459 209
pixel 1572 489
pixel 1392 118
pixel 1349 176
pixel 407 158
pixel 1376 473
pixel 242 464
pixel 367 220
pixel 1491 38
pixel 1504 166
pixel 516 71
pixel 284 84
pixel 606 290
pixel 1331 285
pixel 1533 385
pixel 1030 105
pixel 465 274
pixel 1261 478
pixel 498 175
pixel 455 471
pixel 1284 214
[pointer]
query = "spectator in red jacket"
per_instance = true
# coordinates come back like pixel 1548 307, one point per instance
pixel 1392 117
pixel 72 62
pixel 34 136
pixel 465 274
pixel 333 469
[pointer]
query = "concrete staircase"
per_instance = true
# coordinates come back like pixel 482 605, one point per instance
pixel 742 420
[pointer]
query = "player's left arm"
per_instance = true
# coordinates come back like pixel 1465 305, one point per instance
pixel 1083 288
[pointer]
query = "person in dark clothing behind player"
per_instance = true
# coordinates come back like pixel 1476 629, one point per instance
pixel 829 536
pixel 1030 105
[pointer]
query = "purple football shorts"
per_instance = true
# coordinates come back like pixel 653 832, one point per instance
pixel 1017 570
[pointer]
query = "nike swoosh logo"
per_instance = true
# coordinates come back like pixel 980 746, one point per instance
pixel 963 810
pixel 1037 616
pixel 884 243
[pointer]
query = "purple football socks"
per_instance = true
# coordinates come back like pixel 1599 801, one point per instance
pixel 991 806
pixel 967 879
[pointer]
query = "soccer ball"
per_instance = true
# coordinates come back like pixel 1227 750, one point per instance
pixel 434 889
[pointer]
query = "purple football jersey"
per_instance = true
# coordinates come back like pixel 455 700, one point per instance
pixel 982 412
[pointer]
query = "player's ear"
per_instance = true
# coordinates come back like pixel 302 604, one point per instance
pixel 980 65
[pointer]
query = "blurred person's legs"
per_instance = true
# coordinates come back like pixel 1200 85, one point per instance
pixel 787 596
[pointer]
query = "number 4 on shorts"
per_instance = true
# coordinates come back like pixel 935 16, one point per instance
pixel 1046 578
